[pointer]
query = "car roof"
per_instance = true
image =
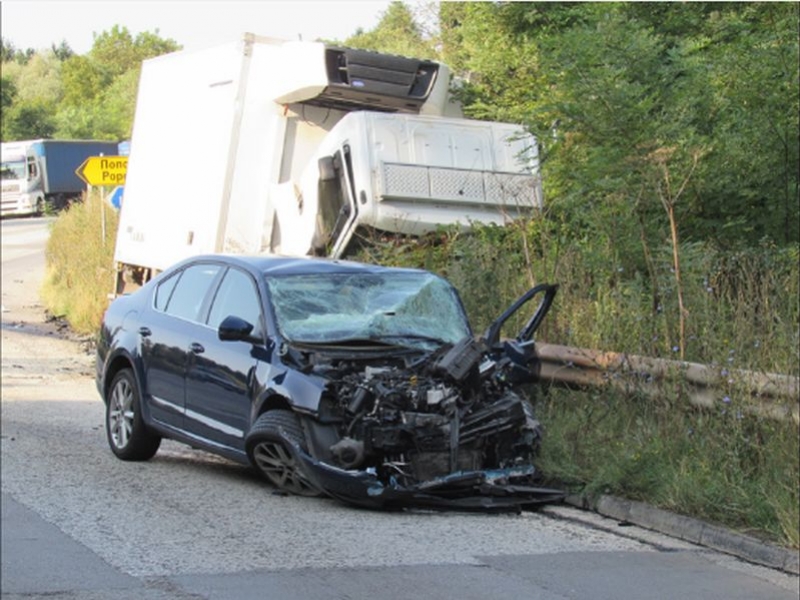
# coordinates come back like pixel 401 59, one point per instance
pixel 279 265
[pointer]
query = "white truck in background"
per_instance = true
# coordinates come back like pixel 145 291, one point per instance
pixel 38 173
pixel 295 148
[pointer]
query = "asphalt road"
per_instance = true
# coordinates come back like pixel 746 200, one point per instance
pixel 78 523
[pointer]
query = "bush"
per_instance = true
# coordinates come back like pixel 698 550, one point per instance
pixel 80 263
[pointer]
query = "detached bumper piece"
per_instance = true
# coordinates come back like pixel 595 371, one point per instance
pixel 501 490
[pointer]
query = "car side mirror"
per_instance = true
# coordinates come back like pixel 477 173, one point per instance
pixel 234 329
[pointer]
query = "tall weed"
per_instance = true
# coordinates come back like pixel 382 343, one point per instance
pixel 79 258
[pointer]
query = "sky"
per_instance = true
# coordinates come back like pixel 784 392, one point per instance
pixel 194 24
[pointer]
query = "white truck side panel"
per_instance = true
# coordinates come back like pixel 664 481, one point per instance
pixel 174 192
pixel 437 171
pixel 247 221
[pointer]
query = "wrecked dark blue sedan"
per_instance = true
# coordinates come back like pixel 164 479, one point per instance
pixel 360 382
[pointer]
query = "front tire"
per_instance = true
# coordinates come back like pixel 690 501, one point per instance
pixel 268 452
pixel 128 436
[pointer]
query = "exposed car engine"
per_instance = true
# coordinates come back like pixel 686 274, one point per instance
pixel 438 416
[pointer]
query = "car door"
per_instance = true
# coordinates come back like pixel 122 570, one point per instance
pixel 166 334
pixel 221 374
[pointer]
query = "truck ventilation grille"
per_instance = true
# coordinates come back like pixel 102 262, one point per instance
pixel 367 80
pixel 458 186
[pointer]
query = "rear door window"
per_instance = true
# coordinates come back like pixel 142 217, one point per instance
pixel 164 291
pixel 186 300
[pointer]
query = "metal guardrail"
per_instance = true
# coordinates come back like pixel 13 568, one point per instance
pixel 768 395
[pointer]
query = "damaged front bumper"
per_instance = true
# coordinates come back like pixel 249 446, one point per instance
pixel 497 490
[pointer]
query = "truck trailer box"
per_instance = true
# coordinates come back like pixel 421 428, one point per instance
pixel 61 158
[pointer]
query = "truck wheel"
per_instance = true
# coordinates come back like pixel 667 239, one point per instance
pixel 127 434
pixel 269 454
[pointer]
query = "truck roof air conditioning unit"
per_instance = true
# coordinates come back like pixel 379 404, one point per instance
pixel 358 79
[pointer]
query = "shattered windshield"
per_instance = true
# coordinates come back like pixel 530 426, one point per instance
pixel 400 308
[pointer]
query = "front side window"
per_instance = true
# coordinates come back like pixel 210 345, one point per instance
pixel 187 298
pixel 33 171
pixel 236 296
pixel 413 308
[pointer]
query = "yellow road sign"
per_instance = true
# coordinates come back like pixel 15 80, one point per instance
pixel 103 170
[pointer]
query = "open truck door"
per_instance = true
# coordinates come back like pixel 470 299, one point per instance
pixel 337 210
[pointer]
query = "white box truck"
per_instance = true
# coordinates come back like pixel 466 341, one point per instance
pixel 293 148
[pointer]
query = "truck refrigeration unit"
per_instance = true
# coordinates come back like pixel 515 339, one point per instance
pixel 297 148
pixel 35 173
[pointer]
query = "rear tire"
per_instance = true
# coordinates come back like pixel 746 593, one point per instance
pixel 269 454
pixel 128 436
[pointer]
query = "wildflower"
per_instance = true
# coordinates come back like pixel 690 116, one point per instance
pixel 724 372
pixel 675 348
pixel 726 400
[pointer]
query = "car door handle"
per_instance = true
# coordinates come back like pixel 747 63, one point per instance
pixel 144 331
pixel 197 348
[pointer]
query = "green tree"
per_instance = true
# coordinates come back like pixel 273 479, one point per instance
pixel 498 64
pixel 62 51
pixel 38 78
pixel 7 50
pixel 29 120
pixel 83 80
pixel 100 87
pixel 397 32
pixel 117 51
pixel 8 92
pixel 752 61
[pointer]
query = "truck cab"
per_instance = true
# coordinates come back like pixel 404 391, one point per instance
pixel 21 180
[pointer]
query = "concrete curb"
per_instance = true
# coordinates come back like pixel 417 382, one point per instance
pixel 692 530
